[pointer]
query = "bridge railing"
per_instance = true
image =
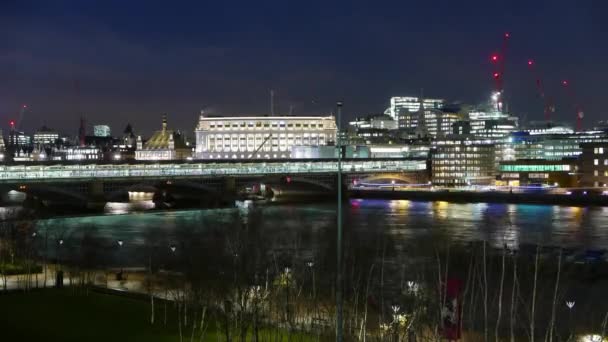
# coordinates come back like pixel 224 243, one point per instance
pixel 16 173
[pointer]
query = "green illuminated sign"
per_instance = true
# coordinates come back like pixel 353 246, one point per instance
pixel 534 168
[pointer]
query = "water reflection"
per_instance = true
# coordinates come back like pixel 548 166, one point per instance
pixel 405 221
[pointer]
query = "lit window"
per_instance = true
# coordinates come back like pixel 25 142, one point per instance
pixel 595 161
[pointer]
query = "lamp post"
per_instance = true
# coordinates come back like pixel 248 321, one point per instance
pixel 310 265
pixel 59 276
pixel 34 234
pixel 339 299
pixel 120 243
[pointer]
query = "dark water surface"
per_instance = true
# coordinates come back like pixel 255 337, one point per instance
pixel 401 220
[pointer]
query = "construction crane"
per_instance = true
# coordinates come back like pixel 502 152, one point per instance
pixel 548 106
pixel 22 111
pixel 579 110
pixel 499 62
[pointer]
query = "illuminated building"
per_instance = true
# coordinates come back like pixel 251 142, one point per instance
pixel 45 136
pixel 425 121
pixel 163 145
pixel 372 129
pixel 460 160
pixel 75 153
pixel 328 152
pixel 410 104
pixel 19 139
pixel 552 146
pixel 561 173
pixel 594 164
pixel 261 137
pixel 101 131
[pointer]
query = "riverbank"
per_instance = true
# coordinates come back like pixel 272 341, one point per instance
pixel 483 196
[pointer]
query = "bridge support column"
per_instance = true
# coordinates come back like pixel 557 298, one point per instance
pixel 229 186
pixel 96 194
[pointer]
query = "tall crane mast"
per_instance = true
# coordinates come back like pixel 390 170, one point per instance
pixel 498 60
pixel 577 107
pixel 22 111
pixel 548 106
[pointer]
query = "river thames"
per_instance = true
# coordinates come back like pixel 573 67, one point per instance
pixel 402 221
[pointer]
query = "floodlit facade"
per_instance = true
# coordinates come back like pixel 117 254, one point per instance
pixel 163 145
pixel 261 137
pixel 102 131
pixel 463 160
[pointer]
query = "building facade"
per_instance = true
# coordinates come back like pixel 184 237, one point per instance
pixel 163 145
pixel 261 137
pixel 45 136
pixel 594 164
pixel 463 160
pixel 102 131
pixel 552 146
pixel 562 173
pixel 410 104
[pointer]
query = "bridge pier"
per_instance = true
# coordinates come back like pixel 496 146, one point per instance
pixel 96 194
pixel 229 187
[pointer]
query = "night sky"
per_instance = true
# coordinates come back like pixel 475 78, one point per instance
pixel 131 61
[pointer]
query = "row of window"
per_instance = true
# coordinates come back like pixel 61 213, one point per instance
pixel 265 125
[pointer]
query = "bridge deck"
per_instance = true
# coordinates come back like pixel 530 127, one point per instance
pixel 79 172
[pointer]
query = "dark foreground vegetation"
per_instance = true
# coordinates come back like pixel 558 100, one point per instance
pixel 235 279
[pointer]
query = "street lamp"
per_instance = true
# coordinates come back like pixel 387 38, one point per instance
pixel 339 285
pixel 59 275
pixel 310 265
pixel 120 243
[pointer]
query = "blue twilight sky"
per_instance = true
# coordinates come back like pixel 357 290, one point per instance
pixel 130 61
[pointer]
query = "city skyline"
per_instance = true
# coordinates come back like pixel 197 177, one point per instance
pixel 137 62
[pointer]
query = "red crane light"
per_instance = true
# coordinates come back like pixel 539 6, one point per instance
pixel 530 62
pixel 496 75
pixel 494 58
pixel 12 123
pixel 507 35
pixel 24 106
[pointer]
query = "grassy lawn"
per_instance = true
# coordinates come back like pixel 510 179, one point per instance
pixel 62 315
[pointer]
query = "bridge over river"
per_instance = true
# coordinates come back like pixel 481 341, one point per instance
pixel 95 182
